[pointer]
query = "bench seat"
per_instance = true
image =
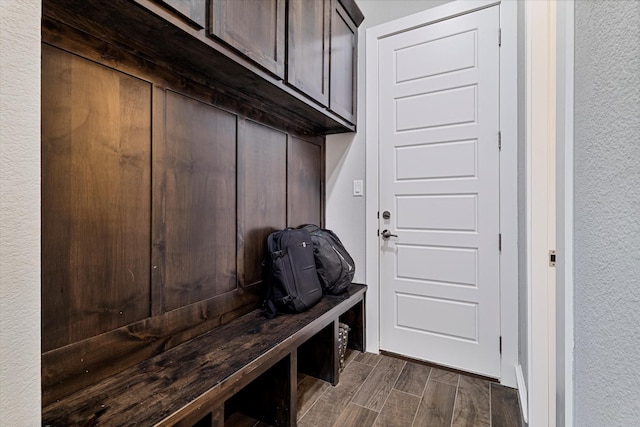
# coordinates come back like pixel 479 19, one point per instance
pixel 192 381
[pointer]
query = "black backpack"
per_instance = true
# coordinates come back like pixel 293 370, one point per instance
pixel 334 264
pixel 292 284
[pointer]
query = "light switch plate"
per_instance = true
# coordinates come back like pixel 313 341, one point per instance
pixel 358 186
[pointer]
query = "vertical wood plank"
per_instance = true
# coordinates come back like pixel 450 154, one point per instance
pixel 319 355
pixel 275 406
pixel 304 183
pixel 217 417
pixel 356 319
pixel 292 419
pixel 158 189
pixel 96 198
pixel 262 189
pixel 198 206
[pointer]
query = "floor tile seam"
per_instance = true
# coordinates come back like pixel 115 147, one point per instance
pixel 419 396
pixel 350 361
pixel 389 393
pixel 443 382
pixel 364 407
pixel 408 394
pixel 361 384
pixel 490 406
pixel 371 373
pixel 426 383
pixel 378 360
pixel 424 389
pixel 455 400
pixel 417 410
pixel 404 392
pixel 345 408
pixel 316 401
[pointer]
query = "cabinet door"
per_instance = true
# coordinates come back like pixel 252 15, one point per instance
pixel 308 48
pixel 344 36
pixel 194 11
pixel 254 27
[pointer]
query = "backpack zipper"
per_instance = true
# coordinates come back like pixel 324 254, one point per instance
pixel 341 257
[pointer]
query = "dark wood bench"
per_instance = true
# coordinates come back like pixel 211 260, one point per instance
pixel 249 365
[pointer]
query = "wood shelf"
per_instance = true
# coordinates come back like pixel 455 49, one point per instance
pixel 159 35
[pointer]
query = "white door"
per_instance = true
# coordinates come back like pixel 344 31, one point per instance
pixel 439 181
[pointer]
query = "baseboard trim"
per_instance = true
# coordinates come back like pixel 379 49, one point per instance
pixel 522 393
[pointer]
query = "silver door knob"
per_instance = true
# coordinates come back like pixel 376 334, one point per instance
pixel 386 234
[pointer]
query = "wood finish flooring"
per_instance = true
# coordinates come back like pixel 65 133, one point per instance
pixel 382 391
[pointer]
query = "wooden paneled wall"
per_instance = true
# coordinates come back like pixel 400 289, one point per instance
pixel 155 210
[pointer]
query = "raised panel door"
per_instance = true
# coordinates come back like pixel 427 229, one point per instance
pixel 195 11
pixel 439 123
pixel 256 28
pixel 308 48
pixel 344 37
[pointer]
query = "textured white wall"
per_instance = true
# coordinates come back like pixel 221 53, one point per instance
pixel 345 160
pixel 607 213
pixel 20 212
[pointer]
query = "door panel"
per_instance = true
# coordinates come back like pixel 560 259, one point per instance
pixel 256 28
pixel 308 48
pixel 344 42
pixel 439 178
pixel 455 159
pixel 445 317
pixel 447 107
pixel 415 62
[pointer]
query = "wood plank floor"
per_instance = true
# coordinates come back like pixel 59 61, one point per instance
pixel 383 391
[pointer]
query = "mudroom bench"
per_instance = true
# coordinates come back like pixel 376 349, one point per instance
pixel 249 365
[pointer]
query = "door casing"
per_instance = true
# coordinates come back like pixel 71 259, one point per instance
pixel 508 170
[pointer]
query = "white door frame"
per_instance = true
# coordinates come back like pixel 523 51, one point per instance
pixel 508 170
pixel 564 214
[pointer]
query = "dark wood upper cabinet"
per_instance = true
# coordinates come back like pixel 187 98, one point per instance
pixel 254 27
pixel 344 43
pixel 308 48
pixel 286 63
pixel 194 11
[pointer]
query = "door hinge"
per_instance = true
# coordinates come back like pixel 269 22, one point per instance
pixel 378 214
pixel 552 258
pixel 499 141
pixel 500 242
pixel 500 345
pixel 499 37
pixel 378 232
